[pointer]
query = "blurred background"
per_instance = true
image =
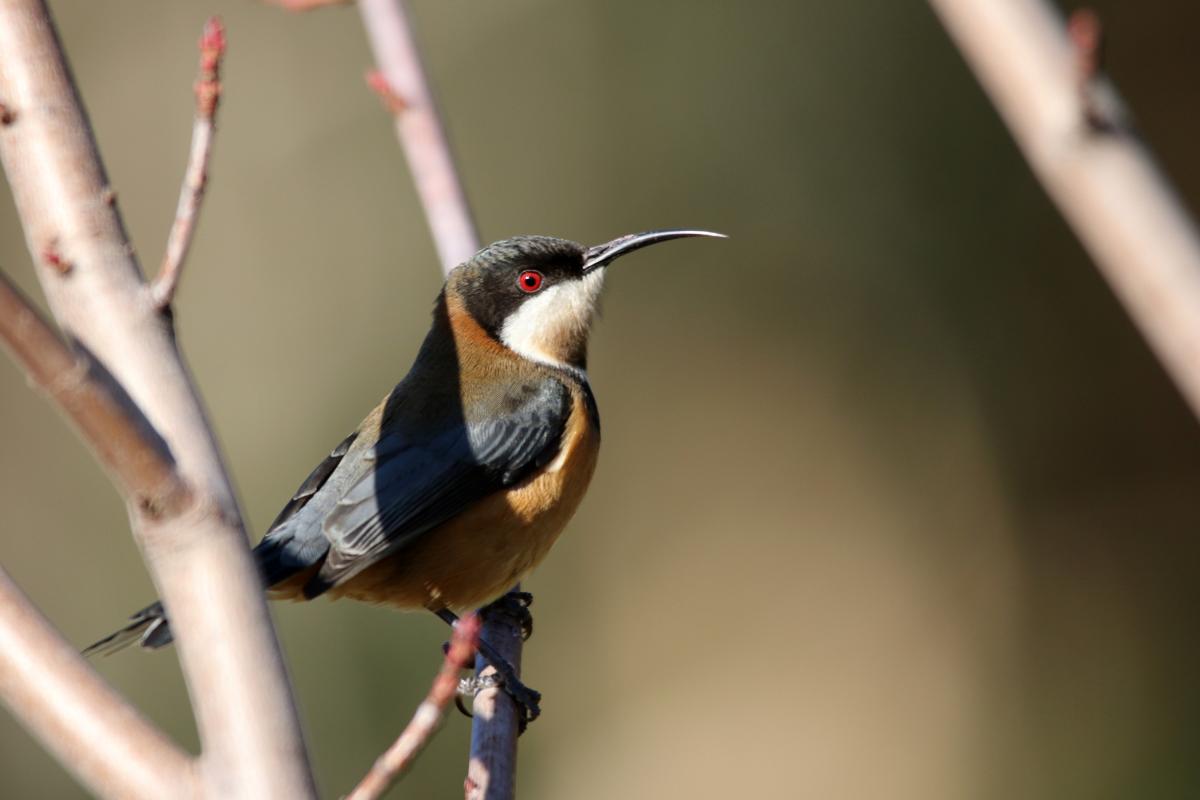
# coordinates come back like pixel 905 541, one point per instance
pixel 894 502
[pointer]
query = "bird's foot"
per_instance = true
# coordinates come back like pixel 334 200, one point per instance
pixel 514 609
pixel 505 677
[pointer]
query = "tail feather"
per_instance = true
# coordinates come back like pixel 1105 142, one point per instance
pixel 281 556
pixel 148 627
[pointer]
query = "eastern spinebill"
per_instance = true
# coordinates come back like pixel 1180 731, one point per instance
pixel 456 485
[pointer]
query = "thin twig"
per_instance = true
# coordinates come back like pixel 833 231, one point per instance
pixel 195 178
pixel 419 127
pixel 1105 182
pixel 405 87
pixel 396 760
pixel 306 5
pixel 249 729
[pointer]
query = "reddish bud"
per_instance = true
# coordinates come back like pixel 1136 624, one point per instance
pixel 208 85
pixel 54 258
pixel 212 44
pixel 1087 36
pixel 379 84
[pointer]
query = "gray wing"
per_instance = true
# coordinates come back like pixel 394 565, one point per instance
pixel 313 483
pixel 418 483
pixel 281 553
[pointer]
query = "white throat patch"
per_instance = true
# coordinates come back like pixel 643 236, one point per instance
pixel 552 323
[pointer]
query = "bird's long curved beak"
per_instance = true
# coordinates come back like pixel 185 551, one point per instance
pixel 604 254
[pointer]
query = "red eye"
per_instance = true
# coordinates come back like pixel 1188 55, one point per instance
pixel 530 281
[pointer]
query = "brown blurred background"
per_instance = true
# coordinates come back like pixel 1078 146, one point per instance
pixel 894 501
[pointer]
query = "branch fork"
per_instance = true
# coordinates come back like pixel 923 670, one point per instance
pixel 145 425
pixel 144 421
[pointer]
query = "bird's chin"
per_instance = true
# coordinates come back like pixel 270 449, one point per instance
pixel 553 327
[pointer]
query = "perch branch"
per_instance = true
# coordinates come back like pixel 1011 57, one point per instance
pixel 1103 179
pixel 396 760
pixel 402 82
pixel 195 176
pixel 199 559
pixel 495 726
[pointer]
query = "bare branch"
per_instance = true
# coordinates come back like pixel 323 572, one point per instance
pixel 91 729
pixel 121 438
pixel 306 5
pixel 1103 179
pixel 396 760
pixel 420 130
pixel 195 177
pixel 405 87
pixel 199 559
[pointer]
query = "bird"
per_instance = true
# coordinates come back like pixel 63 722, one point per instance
pixel 455 486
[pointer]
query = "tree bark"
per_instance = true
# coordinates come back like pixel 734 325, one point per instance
pixel 1072 129
pixel 198 557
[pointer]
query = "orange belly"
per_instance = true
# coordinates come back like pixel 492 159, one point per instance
pixel 481 553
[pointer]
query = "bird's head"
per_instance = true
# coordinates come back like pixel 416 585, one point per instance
pixel 538 295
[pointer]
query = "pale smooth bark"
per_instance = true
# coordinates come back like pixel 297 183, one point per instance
pixel 92 730
pixel 198 557
pixel 1072 130
pixel 420 131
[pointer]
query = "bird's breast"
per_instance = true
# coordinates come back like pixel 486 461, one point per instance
pixel 483 551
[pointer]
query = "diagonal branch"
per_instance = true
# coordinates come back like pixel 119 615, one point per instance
pixel 307 5
pixel 397 759
pixel 401 82
pixel 195 177
pixel 1101 176
pixel 197 555
pixel 45 681
pixel 409 96
pixel 120 437
pixel 406 90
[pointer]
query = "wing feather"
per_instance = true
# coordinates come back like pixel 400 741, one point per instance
pixel 313 483
pixel 417 483
pixel 284 550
